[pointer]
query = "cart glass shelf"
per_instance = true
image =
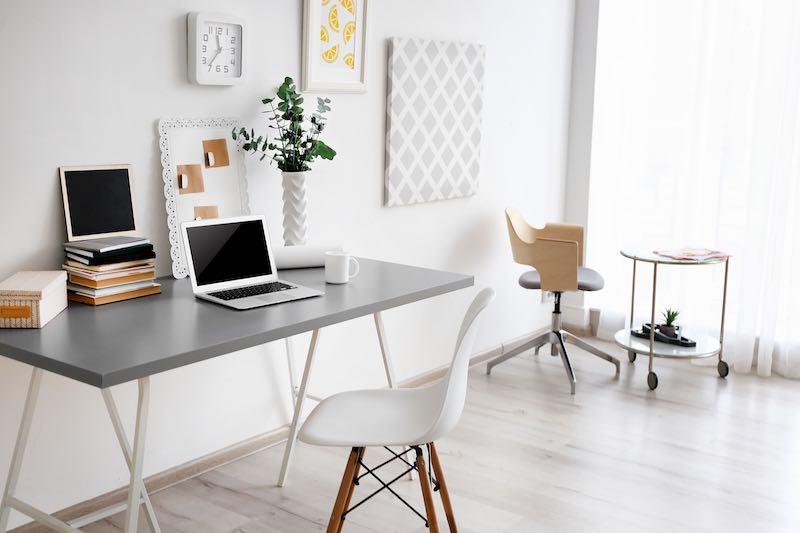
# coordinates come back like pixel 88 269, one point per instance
pixel 707 346
pixel 652 257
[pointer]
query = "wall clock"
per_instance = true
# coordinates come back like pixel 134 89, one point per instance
pixel 215 48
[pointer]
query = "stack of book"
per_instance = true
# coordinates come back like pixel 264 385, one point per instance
pixel 110 269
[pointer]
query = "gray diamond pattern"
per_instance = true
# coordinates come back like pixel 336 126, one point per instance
pixel 434 120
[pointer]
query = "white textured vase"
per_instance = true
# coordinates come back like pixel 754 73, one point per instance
pixel 295 208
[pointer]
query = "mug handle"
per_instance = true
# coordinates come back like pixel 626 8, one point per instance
pixel 354 274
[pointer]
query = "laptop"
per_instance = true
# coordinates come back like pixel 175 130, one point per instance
pixel 231 263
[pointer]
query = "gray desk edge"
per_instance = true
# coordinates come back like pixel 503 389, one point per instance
pixel 184 359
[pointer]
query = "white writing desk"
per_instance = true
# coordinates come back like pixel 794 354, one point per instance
pixel 134 340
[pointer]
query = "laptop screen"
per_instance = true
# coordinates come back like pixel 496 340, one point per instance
pixel 228 252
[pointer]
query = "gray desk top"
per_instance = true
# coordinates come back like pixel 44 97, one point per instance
pixel 120 342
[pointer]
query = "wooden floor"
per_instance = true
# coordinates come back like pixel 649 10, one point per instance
pixel 700 454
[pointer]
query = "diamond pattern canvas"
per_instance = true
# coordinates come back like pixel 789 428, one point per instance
pixel 434 111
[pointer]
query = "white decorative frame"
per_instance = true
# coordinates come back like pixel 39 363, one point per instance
pixel 232 199
pixel 315 78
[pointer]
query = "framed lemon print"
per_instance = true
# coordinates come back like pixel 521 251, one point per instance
pixel 334 45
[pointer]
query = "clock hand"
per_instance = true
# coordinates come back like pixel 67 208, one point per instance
pixel 219 46
pixel 214 58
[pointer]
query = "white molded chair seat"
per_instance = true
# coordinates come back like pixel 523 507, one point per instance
pixel 398 417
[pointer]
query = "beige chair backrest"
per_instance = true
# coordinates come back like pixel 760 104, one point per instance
pixel 555 251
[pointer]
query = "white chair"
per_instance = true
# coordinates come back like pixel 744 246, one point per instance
pixel 412 418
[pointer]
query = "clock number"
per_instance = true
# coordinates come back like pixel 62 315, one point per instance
pixel 233 61
pixel 226 69
pixel 204 60
pixel 219 30
pixel 205 37
pixel 218 69
pixel 233 40
pixel 205 49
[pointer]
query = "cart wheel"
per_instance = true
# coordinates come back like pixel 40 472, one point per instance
pixel 722 368
pixel 631 356
pixel 652 380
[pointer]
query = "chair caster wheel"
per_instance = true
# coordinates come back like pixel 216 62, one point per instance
pixel 723 369
pixel 652 380
pixel 631 356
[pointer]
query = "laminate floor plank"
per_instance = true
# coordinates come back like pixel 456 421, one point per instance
pixel 699 454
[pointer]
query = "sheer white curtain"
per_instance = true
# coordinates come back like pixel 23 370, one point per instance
pixel 696 142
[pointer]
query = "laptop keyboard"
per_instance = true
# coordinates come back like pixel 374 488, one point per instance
pixel 254 290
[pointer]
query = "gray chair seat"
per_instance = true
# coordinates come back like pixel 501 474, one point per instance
pixel 588 280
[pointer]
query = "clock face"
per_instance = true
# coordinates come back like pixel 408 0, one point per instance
pixel 220 50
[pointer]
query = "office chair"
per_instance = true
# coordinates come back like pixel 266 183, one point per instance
pixel 409 418
pixel 556 254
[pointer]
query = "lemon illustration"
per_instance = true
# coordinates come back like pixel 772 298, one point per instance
pixel 350 61
pixel 349 31
pixel 331 54
pixel 323 34
pixel 333 18
pixel 349 5
pixel 325 2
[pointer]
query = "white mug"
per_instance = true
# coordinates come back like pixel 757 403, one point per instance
pixel 337 267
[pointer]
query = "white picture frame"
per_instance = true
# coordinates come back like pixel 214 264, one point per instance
pixel 225 187
pixel 321 75
pixel 63 174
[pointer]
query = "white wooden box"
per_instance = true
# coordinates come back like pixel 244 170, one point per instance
pixel 32 299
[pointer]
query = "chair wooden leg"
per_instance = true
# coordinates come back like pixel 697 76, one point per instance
pixel 439 473
pixel 352 487
pixel 345 491
pixel 427 493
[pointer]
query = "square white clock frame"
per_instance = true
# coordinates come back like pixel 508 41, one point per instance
pixel 215 46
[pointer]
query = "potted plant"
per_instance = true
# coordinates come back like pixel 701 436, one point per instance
pixel 669 328
pixel 294 145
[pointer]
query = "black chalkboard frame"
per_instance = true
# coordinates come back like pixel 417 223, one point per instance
pixel 73 233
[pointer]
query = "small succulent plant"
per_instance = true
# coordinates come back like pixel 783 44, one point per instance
pixel 670 316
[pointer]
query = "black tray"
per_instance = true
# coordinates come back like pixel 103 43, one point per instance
pixel 644 333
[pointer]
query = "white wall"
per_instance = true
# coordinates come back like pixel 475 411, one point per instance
pixel 85 81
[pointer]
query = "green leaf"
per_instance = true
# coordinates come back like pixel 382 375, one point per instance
pixel 323 150
pixel 267 100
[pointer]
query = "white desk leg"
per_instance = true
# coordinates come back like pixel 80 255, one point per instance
pixel 137 457
pixel 19 447
pixel 291 365
pixel 298 409
pixel 116 421
pixel 387 365
pixel 387 360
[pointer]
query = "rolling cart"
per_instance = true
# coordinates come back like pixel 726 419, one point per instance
pixel 706 345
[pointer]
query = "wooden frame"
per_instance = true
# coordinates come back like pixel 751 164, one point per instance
pixel 313 79
pixel 67 214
